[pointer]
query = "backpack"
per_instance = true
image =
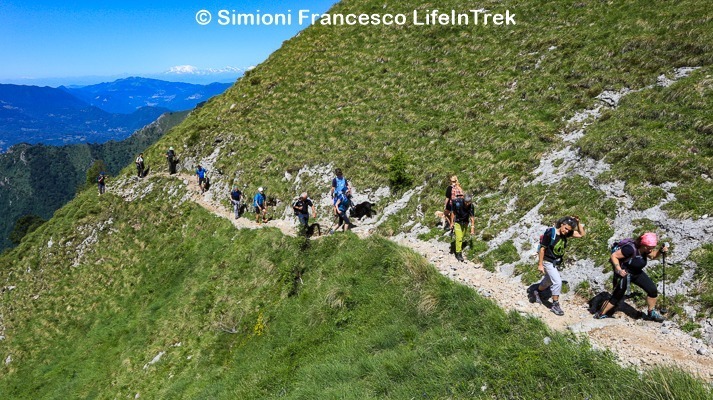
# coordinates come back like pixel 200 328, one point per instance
pixel 340 185
pixel 552 236
pixel 623 243
pixel 344 202
pixel 258 200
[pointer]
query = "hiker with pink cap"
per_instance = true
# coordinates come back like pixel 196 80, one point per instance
pixel 629 257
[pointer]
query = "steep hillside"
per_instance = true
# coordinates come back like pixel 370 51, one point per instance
pixel 99 307
pixel 589 108
pixel 38 179
pixel 143 293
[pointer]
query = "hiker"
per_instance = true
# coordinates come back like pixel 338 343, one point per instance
pixel 260 206
pixel 235 197
pixel 101 182
pixel 301 208
pixel 140 165
pixel 454 190
pixel 463 215
pixel 552 246
pixel 628 258
pixel 339 184
pixel 447 205
pixel 341 206
pixel 171 158
pixel 200 173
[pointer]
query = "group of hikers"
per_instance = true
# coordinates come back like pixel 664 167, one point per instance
pixel 628 256
pixel 340 192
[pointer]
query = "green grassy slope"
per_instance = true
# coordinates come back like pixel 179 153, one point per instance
pixel 40 179
pixel 255 314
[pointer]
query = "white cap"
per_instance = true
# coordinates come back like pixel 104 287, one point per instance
pixel 259 189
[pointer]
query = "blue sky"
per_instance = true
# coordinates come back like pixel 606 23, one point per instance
pixel 75 40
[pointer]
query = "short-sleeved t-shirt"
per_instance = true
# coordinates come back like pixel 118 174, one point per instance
pixel 236 195
pixel 554 249
pixel 302 206
pixel 635 262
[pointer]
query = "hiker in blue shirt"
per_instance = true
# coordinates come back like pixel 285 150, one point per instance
pixel 260 206
pixel 341 206
pixel 339 184
pixel 235 197
pixel 200 172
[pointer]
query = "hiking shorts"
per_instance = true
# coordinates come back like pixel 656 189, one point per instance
pixel 258 210
pixel 552 278
pixel 201 181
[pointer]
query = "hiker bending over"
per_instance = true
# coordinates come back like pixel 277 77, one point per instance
pixel 341 206
pixel 260 206
pixel 629 257
pixel 140 165
pixel 339 184
pixel 200 173
pixel 171 158
pixel 463 215
pixel 552 246
pixel 301 208
pixel 235 197
pixel 101 183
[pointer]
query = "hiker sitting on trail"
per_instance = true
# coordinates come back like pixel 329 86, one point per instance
pixel 455 191
pixel 552 246
pixel 463 215
pixel 447 205
pixel 260 206
pixel 301 208
pixel 101 183
pixel 339 184
pixel 200 173
pixel 235 197
pixel 341 206
pixel 140 165
pixel 629 257
pixel 172 159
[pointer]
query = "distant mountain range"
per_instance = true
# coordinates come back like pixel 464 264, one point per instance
pixel 125 96
pixel 91 114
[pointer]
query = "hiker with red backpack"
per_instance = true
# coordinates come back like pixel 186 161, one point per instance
pixel 551 252
pixel 628 258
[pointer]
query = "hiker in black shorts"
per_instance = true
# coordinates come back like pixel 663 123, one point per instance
pixel 629 261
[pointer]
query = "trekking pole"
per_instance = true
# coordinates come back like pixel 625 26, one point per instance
pixel 663 309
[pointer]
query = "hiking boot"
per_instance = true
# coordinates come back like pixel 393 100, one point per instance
pixel 653 315
pixel 459 256
pixel 598 315
pixel 556 308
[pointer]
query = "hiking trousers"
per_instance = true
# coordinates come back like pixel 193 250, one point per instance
pixel 552 278
pixel 459 228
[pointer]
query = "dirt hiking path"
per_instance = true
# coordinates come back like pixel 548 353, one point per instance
pixel 635 342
